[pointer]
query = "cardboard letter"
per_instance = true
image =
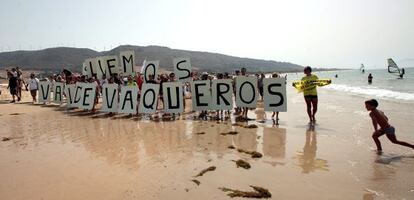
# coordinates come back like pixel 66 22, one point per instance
pixel 173 97
pixel 150 68
pixel 70 94
pixel 246 91
pixel 101 67
pixel 78 95
pixel 274 94
pixel 110 98
pixel 112 65
pixel 89 67
pixel 201 95
pixel 88 96
pixel 58 92
pixel 129 100
pixel 222 94
pixel 182 69
pixel 44 91
pixel 127 61
pixel 149 98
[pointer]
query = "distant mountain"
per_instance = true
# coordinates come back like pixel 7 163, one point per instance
pixel 56 59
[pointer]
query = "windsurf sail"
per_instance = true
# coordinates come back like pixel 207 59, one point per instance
pixel 362 68
pixel 394 69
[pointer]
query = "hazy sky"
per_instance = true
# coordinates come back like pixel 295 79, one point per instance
pixel 320 33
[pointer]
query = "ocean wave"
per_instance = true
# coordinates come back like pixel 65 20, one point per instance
pixel 372 92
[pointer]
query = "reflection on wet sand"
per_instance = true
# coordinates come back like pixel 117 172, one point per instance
pixel 120 140
pixel 307 158
pixel 274 145
pixel 130 143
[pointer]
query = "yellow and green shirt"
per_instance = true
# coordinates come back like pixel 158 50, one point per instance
pixel 311 89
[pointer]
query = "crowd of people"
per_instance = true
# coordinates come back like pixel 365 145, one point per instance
pixel 16 82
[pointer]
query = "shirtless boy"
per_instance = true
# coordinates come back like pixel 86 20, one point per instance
pixel 379 119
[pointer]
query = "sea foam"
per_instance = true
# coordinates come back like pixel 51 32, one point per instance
pixel 372 92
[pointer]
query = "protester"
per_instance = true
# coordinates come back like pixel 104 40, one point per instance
pixel 260 85
pixel 130 81
pixel 275 75
pixel 139 79
pixel 310 94
pixel 20 83
pixel 33 86
pixel 237 110
pixel 245 110
pixel 219 114
pixel 12 84
pixel 103 81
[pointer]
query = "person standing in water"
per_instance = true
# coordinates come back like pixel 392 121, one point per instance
pixel 402 73
pixel 310 94
pixel 379 119
pixel 370 78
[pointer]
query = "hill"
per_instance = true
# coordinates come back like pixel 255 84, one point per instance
pixel 55 59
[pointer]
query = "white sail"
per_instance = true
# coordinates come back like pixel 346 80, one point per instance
pixel 393 68
pixel 362 68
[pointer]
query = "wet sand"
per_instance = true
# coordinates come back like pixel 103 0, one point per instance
pixel 55 153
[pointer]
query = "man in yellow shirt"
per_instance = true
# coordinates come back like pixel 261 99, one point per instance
pixel 310 93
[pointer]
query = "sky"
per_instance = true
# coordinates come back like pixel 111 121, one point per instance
pixel 318 33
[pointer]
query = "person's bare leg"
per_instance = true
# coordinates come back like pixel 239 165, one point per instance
pixel 375 136
pixel 308 109
pixel 394 140
pixel 315 108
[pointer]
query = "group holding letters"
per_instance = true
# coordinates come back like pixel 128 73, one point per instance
pixel 150 87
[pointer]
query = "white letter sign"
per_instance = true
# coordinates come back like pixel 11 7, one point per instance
pixel 173 97
pixel 127 61
pixel 129 100
pixel 44 91
pixel 150 68
pixel 201 95
pixel 274 94
pixel 110 98
pixel 222 94
pixel 149 98
pixel 182 69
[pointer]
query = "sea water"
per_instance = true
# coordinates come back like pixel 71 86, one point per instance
pixel 385 86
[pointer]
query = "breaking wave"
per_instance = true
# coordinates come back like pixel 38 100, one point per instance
pixel 372 92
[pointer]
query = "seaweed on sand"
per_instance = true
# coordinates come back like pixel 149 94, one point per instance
pixel 242 163
pixel 196 181
pixel 250 126
pixel 230 133
pixel 258 192
pixel 211 168
pixel 254 154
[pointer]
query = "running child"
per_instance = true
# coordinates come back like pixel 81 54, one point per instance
pixel 379 119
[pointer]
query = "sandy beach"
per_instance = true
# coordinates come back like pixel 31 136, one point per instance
pixel 55 153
